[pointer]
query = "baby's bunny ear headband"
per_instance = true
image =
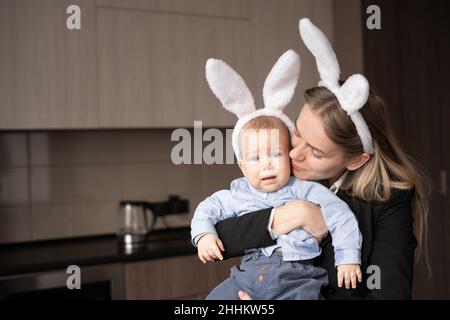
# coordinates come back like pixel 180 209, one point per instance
pixel 233 93
pixel 353 94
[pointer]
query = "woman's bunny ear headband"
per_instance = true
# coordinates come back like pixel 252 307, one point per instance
pixel 353 94
pixel 233 93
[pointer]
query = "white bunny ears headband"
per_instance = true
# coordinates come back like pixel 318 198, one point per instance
pixel 280 85
pixel 233 93
pixel 353 94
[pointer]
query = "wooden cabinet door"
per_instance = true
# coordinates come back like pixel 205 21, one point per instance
pixel 140 64
pixel 184 277
pixel 152 57
pixel 48 72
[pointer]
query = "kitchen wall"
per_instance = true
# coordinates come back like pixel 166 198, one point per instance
pixel 57 184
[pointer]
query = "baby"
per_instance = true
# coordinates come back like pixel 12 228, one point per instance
pixel 284 270
pixel 261 143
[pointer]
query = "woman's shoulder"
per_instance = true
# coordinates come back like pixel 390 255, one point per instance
pixel 399 198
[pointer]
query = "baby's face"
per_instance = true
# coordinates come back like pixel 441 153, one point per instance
pixel 265 160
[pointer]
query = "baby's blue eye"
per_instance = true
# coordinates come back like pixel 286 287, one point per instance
pixel 276 154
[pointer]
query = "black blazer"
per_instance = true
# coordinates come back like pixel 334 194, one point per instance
pixel 388 242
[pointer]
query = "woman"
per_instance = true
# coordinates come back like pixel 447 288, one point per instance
pixel 385 190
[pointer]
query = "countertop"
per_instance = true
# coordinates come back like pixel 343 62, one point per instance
pixel 46 255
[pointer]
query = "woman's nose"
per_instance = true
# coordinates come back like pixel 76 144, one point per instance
pixel 298 152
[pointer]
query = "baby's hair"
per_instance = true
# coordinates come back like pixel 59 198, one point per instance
pixel 267 122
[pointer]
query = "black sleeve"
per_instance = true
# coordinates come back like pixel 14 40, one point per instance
pixel 393 250
pixel 245 232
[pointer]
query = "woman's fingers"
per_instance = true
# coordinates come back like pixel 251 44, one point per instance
pixel 244 295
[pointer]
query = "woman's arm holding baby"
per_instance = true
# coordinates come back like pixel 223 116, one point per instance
pixel 245 232
pixel 299 214
pixel 252 229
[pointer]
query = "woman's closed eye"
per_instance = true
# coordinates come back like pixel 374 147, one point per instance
pixel 316 154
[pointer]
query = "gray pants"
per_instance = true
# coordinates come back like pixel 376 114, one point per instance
pixel 269 278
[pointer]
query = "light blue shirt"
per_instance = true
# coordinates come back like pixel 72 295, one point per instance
pixel 298 245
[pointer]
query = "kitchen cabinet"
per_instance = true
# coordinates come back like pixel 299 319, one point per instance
pixel 179 277
pixel 47 72
pixel 182 277
pixel 152 54
pixel 151 61
pixel 140 63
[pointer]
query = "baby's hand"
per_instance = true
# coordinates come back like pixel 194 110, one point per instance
pixel 349 273
pixel 209 247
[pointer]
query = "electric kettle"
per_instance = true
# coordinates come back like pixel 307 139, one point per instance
pixel 136 221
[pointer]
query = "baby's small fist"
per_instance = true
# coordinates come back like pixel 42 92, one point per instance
pixel 350 274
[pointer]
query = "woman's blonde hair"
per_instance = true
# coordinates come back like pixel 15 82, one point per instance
pixel 387 169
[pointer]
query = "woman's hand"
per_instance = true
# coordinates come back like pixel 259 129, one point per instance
pixel 300 214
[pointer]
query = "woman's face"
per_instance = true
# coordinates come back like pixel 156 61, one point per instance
pixel 314 156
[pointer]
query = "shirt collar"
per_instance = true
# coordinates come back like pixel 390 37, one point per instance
pixel 337 185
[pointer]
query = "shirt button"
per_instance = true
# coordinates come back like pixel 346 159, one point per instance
pixel 260 277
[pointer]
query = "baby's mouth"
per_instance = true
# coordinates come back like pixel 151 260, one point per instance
pixel 268 178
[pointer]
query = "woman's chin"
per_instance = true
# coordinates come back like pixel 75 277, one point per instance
pixel 302 174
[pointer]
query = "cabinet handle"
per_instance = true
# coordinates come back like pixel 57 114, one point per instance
pixel 443 182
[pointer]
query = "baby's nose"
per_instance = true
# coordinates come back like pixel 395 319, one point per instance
pixel 267 162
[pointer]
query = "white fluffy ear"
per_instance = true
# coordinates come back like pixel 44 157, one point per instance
pixel 229 88
pixel 279 87
pixel 354 93
pixel 319 45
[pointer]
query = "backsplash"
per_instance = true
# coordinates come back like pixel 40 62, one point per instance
pixel 59 184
